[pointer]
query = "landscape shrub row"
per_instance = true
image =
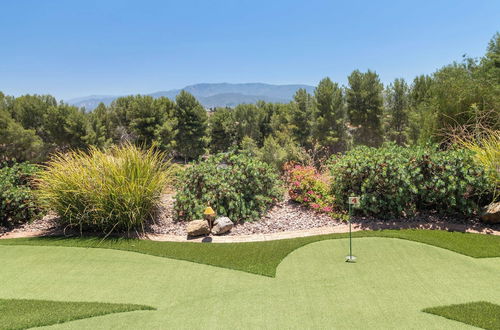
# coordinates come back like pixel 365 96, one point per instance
pixel 396 181
pixel 119 189
pixel 17 203
pixel 234 185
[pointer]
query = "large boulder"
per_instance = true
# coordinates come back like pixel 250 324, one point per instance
pixel 491 213
pixel 197 228
pixel 222 225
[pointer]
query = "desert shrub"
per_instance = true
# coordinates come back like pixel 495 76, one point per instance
pixel 17 202
pixel 117 189
pixel 309 187
pixel 394 181
pixel 235 185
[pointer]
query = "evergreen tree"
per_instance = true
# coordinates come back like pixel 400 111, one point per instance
pixel 99 130
pixel 191 126
pixel 16 142
pixel 65 127
pixel 365 107
pixel 301 118
pixel 222 130
pixel 421 117
pixel 165 130
pixel 143 120
pixel 397 112
pixel 330 128
pixel 248 120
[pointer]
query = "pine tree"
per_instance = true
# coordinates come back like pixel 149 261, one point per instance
pixel 397 108
pixel 191 126
pixel 222 130
pixel 301 118
pixel 365 107
pixel 421 117
pixel 329 129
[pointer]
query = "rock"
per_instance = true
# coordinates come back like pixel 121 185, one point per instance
pixel 222 225
pixel 197 228
pixel 491 213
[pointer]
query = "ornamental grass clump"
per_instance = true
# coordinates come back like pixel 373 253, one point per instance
pixel 117 189
pixel 234 185
pixel 486 149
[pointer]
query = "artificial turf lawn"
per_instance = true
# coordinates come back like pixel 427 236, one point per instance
pixel 389 286
pixel 28 313
pixel 480 314
pixel 264 257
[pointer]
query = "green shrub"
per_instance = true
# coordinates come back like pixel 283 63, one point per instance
pixel 394 181
pixel 235 185
pixel 17 202
pixel 277 151
pixel 117 189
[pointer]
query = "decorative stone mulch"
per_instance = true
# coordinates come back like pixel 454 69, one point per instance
pixel 285 217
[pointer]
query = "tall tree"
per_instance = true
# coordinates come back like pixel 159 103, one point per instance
pixel 144 120
pixel 16 142
pixel 248 120
pixel 99 127
pixel 301 118
pixel 329 129
pixel 66 127
pixel 222 130
pixel 397 109
pixel 191 126
pixel 421 116
pixel 365 107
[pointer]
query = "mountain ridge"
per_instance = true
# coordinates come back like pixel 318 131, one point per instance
pixel 212 95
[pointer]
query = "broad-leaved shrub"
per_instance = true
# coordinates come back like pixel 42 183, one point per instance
pixel 17 202
pixel 395 181
pixel 234 185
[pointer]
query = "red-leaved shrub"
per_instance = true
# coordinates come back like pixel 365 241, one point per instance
pixel 309 187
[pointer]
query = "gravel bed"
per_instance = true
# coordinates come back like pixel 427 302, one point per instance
pixel 47 224
pixel 284 216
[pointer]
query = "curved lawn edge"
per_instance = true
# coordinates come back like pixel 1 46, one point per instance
pixel 29 313
pixel 263 258
pixel 481 314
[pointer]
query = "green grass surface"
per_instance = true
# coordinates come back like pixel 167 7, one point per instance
pixel 480 314
pixel 28 313
pixel 264 257
pixel 389 286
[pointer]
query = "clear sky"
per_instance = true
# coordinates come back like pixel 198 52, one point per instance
pixel 77 48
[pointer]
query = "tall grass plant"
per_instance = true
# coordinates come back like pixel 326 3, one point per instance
pixel 116 189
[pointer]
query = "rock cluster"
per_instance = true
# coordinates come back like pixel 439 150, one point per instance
pixel 222 225
pixel 200 227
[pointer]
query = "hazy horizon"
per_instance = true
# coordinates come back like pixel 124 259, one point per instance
pixel 76 49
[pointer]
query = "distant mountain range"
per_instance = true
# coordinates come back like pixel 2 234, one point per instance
pixel 212 95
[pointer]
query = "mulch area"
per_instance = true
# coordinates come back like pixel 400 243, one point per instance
pixel 286 216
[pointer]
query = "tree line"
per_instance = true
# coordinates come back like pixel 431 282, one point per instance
pixel 333 119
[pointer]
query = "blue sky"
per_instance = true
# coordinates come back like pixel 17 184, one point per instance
pixel 77 48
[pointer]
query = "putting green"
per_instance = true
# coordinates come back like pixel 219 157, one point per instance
pixel 393 281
